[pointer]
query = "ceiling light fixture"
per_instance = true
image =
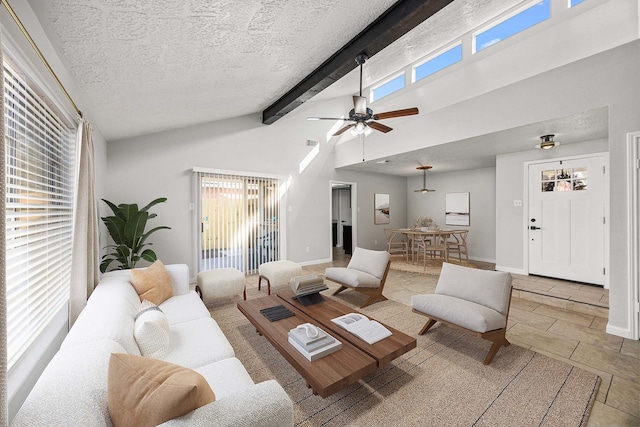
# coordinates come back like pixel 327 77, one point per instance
pixel 361 128
pixel 547 142
pixel 424 189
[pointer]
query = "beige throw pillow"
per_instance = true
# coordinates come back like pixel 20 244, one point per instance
pixel 152 283
pixel 151 330
pixel 147 392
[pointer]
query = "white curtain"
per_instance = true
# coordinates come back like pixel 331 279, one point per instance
pixel 85 258
pixel 4 417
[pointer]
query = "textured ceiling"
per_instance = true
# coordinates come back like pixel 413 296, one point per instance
pixel 145 66
pixel 149 65
pixel 481 151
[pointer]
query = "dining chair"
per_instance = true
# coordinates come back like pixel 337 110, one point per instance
pixel 396 244
pixel 435 248
pixel 457 244
pixel 419 244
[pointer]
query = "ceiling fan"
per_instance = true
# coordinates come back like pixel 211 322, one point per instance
pixel 362 116
pixel 424 188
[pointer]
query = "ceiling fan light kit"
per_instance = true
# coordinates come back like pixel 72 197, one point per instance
pixel 547 142
pixel 424 188
pixel 363 118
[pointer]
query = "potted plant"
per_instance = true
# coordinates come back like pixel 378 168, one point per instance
pixel 127 229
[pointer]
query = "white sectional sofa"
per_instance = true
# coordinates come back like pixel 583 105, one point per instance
pixel 72 391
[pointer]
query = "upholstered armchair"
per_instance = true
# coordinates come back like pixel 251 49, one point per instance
pixel 366 273
pixel 476 301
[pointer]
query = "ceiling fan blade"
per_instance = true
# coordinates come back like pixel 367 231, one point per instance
pixel 380 127
pixel 396 113
pixel 360 105
pixel 344 129
pixel 326 118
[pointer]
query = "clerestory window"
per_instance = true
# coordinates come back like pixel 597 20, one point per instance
pixel 506 28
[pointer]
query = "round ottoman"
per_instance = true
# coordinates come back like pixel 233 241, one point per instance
pixel 220 283
pixel 278 273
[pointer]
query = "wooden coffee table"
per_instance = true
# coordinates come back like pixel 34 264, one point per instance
pixel 333 372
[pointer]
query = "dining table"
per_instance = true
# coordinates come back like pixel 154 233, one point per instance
pixel 433 239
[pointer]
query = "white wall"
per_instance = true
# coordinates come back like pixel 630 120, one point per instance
pixel 143 168
pixel 480 183
pixel 457 104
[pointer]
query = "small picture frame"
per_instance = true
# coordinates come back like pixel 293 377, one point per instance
pixel 381 209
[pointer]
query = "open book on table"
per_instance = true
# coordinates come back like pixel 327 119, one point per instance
pixel 358 324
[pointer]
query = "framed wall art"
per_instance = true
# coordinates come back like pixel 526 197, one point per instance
pixel 381 209
pixel 457 209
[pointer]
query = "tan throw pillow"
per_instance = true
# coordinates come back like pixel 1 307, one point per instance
pixel 152 283
pixel 151 331
pixel 147 392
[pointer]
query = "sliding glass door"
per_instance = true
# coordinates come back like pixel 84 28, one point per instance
pixel 239 221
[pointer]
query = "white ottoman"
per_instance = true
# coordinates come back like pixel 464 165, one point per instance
pixel 220 283
pixel 278 273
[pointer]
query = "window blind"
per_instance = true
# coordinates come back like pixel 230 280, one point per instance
pixel 40 160
pixel 240 221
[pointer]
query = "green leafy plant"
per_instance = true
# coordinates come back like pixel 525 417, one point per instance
pixel 127 229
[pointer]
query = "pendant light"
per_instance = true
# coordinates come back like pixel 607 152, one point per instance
pixel 424 189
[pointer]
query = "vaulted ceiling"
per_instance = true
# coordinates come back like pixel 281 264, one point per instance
pixel 145 66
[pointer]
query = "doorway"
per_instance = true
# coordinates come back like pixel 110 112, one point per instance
pixel 240 221
pixel 633 149
pixel 566 223
pixel 343 217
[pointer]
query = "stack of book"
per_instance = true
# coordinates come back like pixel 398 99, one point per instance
pixel 306 285
pixel 306 289
pixel 312 342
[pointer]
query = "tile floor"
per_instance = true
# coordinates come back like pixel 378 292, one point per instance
pixel 569 327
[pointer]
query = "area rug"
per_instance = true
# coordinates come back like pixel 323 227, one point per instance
pixel 433 267
pixel 442 382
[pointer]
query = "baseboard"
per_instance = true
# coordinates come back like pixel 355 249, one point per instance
pixel 473 258
pixel 511 270
pixel 314 262
pixel 621 332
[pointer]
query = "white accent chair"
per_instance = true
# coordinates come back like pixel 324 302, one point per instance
pixel 366 273
pixel 476 301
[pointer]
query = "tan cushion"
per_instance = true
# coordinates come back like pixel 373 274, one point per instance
pixel 153 283
pixel 147 392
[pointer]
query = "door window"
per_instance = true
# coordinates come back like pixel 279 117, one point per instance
pixel 566 179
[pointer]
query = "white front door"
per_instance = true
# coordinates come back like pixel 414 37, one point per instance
pixel 566 219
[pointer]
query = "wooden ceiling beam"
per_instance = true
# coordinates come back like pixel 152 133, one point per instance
pixel 395 22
